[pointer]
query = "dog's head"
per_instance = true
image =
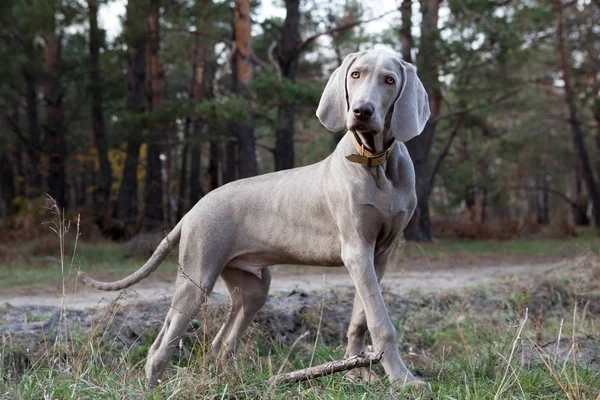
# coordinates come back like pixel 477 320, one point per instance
pixel 374 91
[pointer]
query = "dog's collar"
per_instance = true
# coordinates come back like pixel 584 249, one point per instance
pixel 367 158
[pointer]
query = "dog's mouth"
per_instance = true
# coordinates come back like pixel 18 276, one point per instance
pixel 363 129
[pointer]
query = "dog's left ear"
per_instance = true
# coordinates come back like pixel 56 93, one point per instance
pixel 411 109
pixel 334 103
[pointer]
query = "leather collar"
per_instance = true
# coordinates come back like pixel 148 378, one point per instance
pixel 367 158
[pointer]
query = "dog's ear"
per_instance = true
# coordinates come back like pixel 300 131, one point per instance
pixel 334 100
pixel 411 109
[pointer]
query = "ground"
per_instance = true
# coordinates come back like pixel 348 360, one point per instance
pixel 474 319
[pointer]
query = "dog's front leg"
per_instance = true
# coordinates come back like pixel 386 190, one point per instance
pixel 358 322
pixel 359 260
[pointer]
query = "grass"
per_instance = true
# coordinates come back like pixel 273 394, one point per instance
pixel 587 240
pixel 465 346
pixel 105 260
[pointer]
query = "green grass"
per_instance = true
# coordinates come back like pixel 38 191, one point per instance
pixel 587 240
pixel 43 271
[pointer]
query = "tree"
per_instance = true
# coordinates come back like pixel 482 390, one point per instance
pixel 104 177
pixel 242 81
pixel 154 211
pixel 200 51
pixel 419 227
pixel 53 98
pixel 288 52
pixel 574 121
pixel 135 36
pixel 406 39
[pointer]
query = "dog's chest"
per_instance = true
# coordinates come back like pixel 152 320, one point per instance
pixel 391 198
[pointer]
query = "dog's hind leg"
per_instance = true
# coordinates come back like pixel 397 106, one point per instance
pixel 187 301
pixel 248 294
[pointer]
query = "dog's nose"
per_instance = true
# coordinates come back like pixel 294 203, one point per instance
pixel 364 111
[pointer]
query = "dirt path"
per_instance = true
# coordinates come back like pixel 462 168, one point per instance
pixel 400 282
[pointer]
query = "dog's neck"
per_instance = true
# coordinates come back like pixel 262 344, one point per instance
pixel 366 156
pixel 374 143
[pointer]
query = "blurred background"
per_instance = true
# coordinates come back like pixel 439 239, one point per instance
pixel 129 111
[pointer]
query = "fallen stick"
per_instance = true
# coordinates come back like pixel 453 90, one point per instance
pixel 364 359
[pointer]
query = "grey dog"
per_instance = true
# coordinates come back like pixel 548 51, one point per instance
pixel 348 209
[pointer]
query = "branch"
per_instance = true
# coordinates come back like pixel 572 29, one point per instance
pixel 259 61
pixel 302 46
pixel 210 36
pixel 272 60
pixel 469 109
pixel 550 190
pixel 444 152
pixel 19 133
pixel 264 146
pixel 364 359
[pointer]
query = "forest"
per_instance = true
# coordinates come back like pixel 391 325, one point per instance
pixel 133 129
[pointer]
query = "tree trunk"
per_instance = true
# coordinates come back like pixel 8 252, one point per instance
pixel 231 164
pixel 215 153
pixel 406 39
pixel 20 175
pixel 104 177
pixel 182 206
pixel 7 182
pixel 200 54
pixel 596 114
pixel 580 216
pixel 154 211
pixel 574 122
pixel 541 197
pixel 33 149
pixel 127 202
pixel 284 138
pixel 288 53
pixel 213 165
pixel 246 142
pixel 55 127
pixel 419 227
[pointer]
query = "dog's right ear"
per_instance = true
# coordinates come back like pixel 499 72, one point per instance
pixel 334 101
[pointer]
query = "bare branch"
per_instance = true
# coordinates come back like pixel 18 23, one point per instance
pixel 19 133
pixel 302 46
pixel 463 111
pixel 555 192
pixel 259 61
pixel 444 152
pixel 264 146
pixel 364 359
pixel 272 60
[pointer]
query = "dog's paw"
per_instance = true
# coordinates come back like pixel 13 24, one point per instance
pixel 361 375
pixel 413 388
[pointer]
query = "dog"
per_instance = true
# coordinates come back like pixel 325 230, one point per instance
pixel 347 210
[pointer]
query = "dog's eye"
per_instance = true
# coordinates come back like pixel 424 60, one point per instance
pixel 389 80
pixel 355 75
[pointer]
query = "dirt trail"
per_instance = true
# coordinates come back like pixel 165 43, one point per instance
pixel 400 282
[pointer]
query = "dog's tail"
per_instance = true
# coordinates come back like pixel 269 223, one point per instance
pixel 162 251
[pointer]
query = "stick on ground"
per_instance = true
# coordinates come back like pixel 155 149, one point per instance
pixel 364 359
